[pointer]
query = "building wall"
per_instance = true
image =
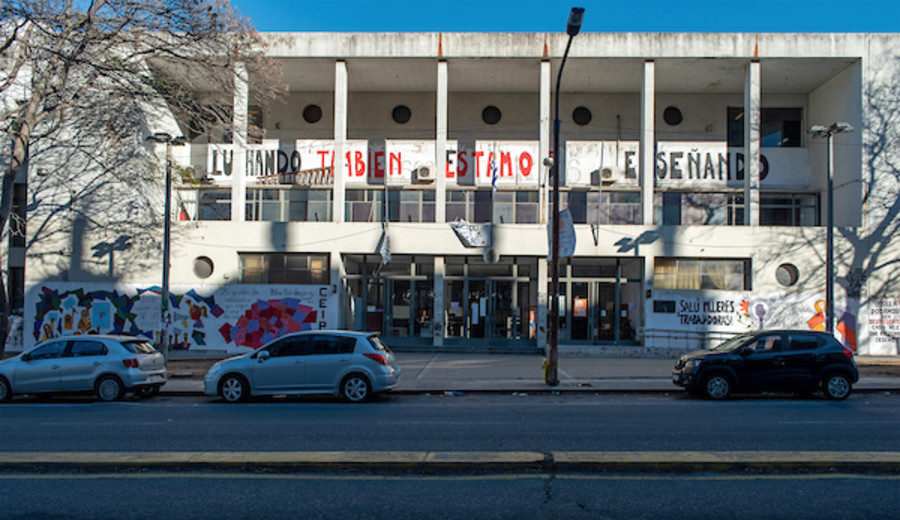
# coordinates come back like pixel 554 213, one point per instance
pixel 830 77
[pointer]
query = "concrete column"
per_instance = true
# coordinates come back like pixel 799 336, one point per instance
pixel 752 117
pixel 239 132
pixel 438 312
pixel 340 138
pixel 544 137
pixel 345 317
pixel 440 150
pixel 540 334
pixel 648 141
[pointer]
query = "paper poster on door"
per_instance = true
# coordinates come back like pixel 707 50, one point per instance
pixel 579 307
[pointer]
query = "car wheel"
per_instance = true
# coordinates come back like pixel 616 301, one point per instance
pixel 717 386
pixel 836 387
pixel 5 390
pixel 234 388
pixel 109 388
pixel 356 388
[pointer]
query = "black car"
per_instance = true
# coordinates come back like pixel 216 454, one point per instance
pixel 771 361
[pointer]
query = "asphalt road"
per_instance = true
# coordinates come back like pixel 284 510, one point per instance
pixel 273 497
pixel 482 422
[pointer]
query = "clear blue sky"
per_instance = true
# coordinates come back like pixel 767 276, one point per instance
pixel 551 15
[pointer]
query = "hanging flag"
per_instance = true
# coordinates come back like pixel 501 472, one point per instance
pixel 494 169
pixel 384 247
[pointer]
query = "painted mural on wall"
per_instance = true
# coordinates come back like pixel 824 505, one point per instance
pixel 723 311
pixel 884 327
pixel 230 318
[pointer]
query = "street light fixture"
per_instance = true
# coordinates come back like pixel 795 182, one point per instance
pixel 828 133
pixel 573 26
pixel 163 137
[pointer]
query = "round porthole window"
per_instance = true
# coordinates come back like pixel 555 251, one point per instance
pixel 672 116
pixel 490 115
pixel 582 116
pixel 312 113
pixel 203 267
pixel 401 114
pixel 787 274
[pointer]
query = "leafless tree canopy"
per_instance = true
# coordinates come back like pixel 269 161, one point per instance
pixel 81 78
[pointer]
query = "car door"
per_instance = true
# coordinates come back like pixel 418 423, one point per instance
pixel 81 364
pixel 285 369
pixel 800 360
pixel 762 364
pixel 38 371
pixel 331 356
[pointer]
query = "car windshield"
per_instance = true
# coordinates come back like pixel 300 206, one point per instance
pixel 139 347
pixel 732 343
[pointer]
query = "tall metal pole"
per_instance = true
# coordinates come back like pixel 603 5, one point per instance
pixel 572 29
pixel 829 240
pixel 167 240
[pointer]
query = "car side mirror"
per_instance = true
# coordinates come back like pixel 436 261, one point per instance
pixel 745 351
pixel 263 355
pixel 26 357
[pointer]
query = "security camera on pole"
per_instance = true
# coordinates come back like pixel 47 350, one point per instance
pixel 551 374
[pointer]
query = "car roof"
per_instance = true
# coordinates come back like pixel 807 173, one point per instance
pixel 85 337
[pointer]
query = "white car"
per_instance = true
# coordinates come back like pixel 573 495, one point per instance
pixel 108 366
pixel 354 365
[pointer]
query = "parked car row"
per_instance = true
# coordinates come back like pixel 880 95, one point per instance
pixel 354 365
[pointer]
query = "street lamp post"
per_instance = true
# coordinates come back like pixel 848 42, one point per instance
pixel 573 26
pixel 828 134
pixel 162 137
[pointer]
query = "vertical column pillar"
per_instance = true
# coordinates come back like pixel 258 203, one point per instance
pixel 344 316
pixel 438 312
pixel 239 140
pixel 544 137
pixel 440 150
pixel 340 139
pixel 648 141
pixel 752 116
pixel 540 334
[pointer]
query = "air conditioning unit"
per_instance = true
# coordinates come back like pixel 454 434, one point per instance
pixel 605 175
pixel 425 173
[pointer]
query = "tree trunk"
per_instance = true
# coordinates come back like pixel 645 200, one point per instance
pixel 16 163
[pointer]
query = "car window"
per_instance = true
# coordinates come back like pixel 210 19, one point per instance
pixel 375 341
pixel 50 351
pixel 348 345
pixel 327 345
pixel 87 348
pixel 766 343
pixel 299 346
pixel 138 346
pixel 803 342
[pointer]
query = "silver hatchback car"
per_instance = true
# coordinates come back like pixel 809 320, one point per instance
pixel 354 365
pixel 108 366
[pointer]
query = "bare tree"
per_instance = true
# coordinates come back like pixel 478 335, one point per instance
pixel 80 78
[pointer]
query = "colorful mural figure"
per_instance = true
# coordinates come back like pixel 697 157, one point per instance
pixel 245 316
pixel 846 327
pixel 267 320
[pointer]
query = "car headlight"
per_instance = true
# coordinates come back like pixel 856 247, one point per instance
pixel 215 369
pixel 695 364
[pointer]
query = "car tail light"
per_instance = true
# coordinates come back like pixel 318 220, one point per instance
pixel 848 352
pixel 130 362
pixel 378 358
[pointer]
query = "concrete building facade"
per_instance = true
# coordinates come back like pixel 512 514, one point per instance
pixel 400 186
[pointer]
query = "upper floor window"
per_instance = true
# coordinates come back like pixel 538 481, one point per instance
pixel 615 207
pixel 701 274
pixel 503 207
pixel 363 205
pixel 299 268
pixel 779 127
pixel 289 205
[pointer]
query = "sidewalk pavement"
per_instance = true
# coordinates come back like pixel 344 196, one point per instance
pixel 514 373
